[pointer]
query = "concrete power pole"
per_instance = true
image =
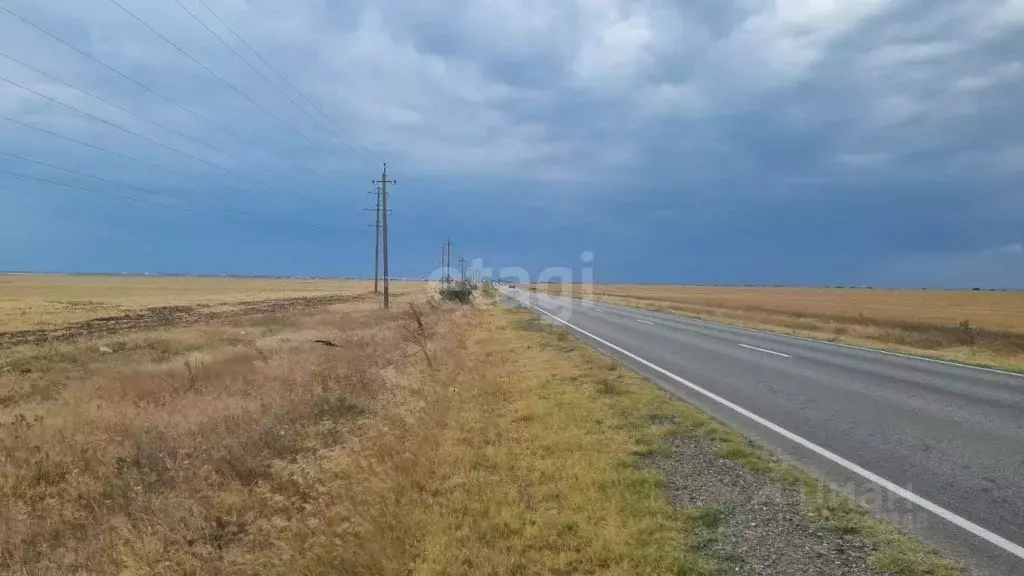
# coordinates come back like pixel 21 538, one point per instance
pixel 442 264
pixel 376 244
pixel 384 229
pixel 448 261
pixel 462 269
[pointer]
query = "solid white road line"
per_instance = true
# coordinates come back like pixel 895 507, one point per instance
pixel 646 322
pixel 768 351
pixel 939 511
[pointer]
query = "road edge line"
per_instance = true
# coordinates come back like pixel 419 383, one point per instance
pixel 951 517
pixel 815 340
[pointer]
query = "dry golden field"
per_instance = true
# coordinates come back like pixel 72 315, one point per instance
pixel 243 434
pixel 416 441
pixel 978 327
pixel 209 430
pixel 46 301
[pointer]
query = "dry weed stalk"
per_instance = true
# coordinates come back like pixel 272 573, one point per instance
pixel 417 332
pixel 264 357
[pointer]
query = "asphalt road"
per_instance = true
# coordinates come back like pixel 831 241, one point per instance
pixel 936 447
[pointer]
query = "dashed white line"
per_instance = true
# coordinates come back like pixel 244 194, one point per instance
pixel 818 341
pixel 767 351
pixel 645 321
pixel 951 517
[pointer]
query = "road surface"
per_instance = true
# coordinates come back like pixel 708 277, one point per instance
pixel 937 447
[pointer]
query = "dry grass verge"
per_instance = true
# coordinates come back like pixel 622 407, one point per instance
pixel 972 327
pixel 650 416
pixel 539 469
pixel 279 457
pixel 419 442
pixel 437 441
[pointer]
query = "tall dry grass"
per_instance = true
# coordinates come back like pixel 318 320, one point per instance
pixel 539 471
pixel 421 441
pixel 280 457
pixel 427 440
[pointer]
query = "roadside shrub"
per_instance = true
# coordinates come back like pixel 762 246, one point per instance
pixel 457 292
pixel 969 332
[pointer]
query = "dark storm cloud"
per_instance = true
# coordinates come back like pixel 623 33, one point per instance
pixel 837 137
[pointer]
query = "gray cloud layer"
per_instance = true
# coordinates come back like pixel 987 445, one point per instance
pixel 768 104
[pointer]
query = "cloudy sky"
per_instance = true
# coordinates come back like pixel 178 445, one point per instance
pixel 751 141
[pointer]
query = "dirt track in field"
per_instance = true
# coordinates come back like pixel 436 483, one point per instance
pixel 169 316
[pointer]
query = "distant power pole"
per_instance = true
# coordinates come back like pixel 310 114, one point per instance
pixel 376 249
pixel 442 264
pixel 376 244
pixel 384 228
pixel 462 269
pixel 448 264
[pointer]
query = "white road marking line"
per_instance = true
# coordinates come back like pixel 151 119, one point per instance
pixel 939 511
pixel 768 351
pixel 817 341
pixel 645 321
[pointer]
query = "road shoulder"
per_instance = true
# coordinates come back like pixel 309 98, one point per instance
pixel 808 525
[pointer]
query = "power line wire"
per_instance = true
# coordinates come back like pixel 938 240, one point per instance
pixel 121 128
pixel 174 103
pixel 114 153
pixel 127 111
pixel 210 71
pixel 143 137
pixel 152 192
pixel 151 90
pixel 305 99
pixel 117 106
pixel 154 203
pixel 264 76
pixel 119 196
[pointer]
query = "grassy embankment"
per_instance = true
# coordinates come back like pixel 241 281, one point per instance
pixel 449 441
pixel 974 327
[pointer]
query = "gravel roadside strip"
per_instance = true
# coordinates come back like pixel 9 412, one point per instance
pixel 751 524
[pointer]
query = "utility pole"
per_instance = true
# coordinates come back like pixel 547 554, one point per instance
pixel 376 244
pixel 448 265
pixel 384 228
pixel 443 272
pixel 462 269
